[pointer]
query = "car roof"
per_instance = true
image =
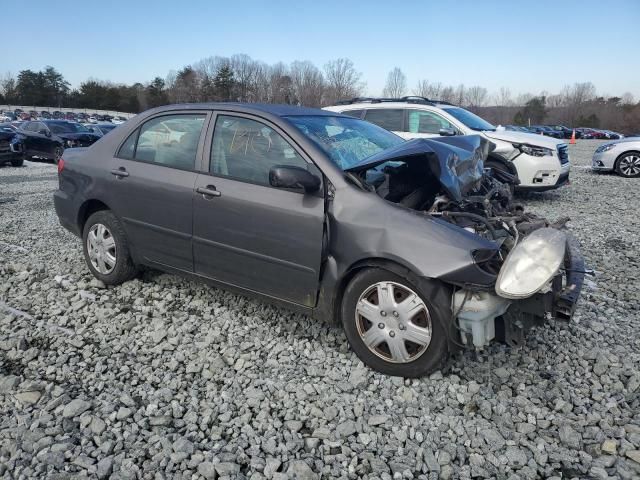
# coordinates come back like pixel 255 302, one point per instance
pixel 276 110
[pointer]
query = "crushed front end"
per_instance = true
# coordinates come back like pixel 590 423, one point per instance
pixel 534 270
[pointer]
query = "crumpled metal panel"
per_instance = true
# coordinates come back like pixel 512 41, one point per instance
pixel 458 161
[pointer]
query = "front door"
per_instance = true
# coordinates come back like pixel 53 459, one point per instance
pixel 150 188
pixel 247 233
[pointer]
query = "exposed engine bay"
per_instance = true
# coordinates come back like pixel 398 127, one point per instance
pixel 445 178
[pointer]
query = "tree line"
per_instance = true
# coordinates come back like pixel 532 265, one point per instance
pixel 244 79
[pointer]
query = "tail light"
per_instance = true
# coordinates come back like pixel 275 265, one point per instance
pixel 60 165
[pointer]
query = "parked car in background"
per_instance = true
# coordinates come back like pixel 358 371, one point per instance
pixel 538 163
pixel 389 239
pixel 57 114
pixel 100 129
pixel 590 133
pixel 516 128
pixel 11 146
pixel 118 120
pixel 48 138
pixel 566 132
pixel 544 130
pixel 621 156
pixel 45 115
pixel 24 116
pixel 8 117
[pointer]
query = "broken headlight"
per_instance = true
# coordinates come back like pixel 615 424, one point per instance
pixel 531 263
pixel 533 150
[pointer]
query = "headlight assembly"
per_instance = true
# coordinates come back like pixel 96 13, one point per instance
pixel 605 147
pixel 531 264
pixel 70 143
pixel 533 150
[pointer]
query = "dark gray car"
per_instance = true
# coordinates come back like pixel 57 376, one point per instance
pixel 412 246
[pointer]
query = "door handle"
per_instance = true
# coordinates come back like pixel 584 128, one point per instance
pixel 120 172
pixel 209 191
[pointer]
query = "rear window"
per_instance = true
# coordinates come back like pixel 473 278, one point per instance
pixel 353 113
pixel 389 119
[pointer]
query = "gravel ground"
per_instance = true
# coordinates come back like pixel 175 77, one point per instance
pixel 168 378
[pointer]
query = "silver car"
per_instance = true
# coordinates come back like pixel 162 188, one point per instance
pixel 621 156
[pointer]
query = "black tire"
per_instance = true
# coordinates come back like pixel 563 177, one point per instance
pixel 620 170
pixel 499 166
pixel 124 268
pixel 435 298
pixel 18 162
pixel 57 154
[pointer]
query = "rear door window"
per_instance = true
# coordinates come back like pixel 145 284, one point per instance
pixel 387 118
pixel 422 121
pixel 170 140
pixel 353 113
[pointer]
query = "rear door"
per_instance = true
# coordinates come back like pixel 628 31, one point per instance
pixel 151 184
pixel 248 233
pixel 425 124
pixel 35 143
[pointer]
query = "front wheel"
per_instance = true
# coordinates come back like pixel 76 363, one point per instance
pixel 17 162
pixel 628 165
pixel 106 250
pixel 394 326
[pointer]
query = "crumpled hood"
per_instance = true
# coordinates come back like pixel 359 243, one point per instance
pixel 522 137
pixel 457 162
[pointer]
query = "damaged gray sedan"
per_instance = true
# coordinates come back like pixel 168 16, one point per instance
pixel 414 247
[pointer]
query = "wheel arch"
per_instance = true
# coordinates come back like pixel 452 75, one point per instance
pixel 88 208
pixel 389 264
pixel 510 167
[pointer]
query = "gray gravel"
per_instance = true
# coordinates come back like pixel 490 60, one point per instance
pixel 168 378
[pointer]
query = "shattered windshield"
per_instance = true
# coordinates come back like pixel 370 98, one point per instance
pixel 347 141
pixel 471 120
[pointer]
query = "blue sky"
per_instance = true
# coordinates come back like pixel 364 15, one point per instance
pixel 527 46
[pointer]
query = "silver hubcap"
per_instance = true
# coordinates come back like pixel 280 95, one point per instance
pixel 393 322
pixel 630 165
pixel 102 249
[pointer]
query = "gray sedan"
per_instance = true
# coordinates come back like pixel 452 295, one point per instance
pixel 621 156
pixel 412 246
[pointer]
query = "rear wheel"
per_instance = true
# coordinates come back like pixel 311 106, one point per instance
pixel 57 154
pixel 18 162
pixel 394 326
pixel 106 250
pixel 628 165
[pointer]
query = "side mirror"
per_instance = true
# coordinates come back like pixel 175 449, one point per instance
pixel 447 132
pixel 45 132
pixel 288 176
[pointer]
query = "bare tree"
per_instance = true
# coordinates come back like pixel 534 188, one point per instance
pixel 244 69
pixel 627 99
pixel 523 98
pixel 396 85
pixel 428 90
pixel 342 80
pixel 575 98
pixel 459 95
pixel 448 94
pixel 308 83
pixel 280 84
pixel 503 97
pixel 475 96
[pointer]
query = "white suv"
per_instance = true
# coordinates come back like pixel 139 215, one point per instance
pixel 541 163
